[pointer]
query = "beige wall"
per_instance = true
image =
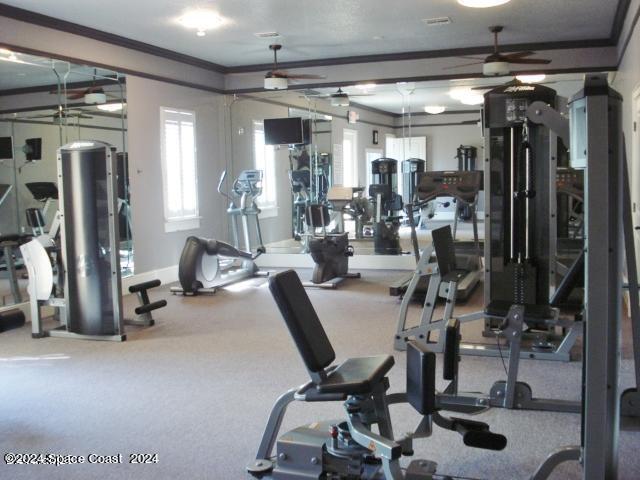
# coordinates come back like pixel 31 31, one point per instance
pixel 155 249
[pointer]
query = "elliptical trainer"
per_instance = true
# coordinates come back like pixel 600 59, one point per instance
pixel 207 264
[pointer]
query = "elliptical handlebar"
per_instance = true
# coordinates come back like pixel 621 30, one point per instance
pixel 221 182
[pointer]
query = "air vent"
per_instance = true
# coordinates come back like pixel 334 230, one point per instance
pixel 433 22
pixel 267 34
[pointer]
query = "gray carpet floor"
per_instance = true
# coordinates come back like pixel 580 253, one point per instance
pixel 197 388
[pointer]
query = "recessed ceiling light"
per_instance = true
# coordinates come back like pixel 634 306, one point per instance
pixel 482 3
pixel 110 107
pixel 434 109
pixel 531 78
pixel 378 37
pixel 472 99
pixel 201 20
pixel 460 92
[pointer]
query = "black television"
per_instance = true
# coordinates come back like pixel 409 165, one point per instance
pixel 6 148
pixel 286 131
pixel 34 149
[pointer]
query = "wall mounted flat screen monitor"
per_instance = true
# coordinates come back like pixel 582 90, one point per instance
pixel 286 131
pixel 6 148
pixel 34 149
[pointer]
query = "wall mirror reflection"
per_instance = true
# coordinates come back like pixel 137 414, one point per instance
pixel 46 103
pixel 372 150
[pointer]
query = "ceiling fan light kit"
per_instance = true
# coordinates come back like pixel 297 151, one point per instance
pixel 340 101
pixel 495 69
pixel 275 83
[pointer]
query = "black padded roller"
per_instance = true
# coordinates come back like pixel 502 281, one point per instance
pixel 144 286
pixel 476 434
pixel 11 319
pixel 451 350
pixel 150 307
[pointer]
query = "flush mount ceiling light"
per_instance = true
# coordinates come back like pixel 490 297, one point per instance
pixel 482 3
pixel 434 109
pixel 95 97
pixel 466 96
pixel 472 99
pixel 201 20
pixel 531 78
pixel 111 107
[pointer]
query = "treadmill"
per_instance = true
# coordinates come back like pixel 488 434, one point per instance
pixel 464 187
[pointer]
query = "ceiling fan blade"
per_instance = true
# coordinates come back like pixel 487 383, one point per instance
pixel 361 94
pixel 464 65
pixel 278 73
pixel 517 55
pixel 76 96
pixel 469 57
pixel 309 76
pixel 531 61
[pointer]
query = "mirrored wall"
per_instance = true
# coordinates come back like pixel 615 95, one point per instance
pixel 361 137
pixel 46 103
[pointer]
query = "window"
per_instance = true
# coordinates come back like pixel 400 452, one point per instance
pixel 350 158
pixel 265 160
pixel 179 167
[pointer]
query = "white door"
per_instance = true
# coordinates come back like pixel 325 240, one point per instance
pixel 371 155
pixel 350 158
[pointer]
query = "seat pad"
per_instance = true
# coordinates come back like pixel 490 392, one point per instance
pixel 357 375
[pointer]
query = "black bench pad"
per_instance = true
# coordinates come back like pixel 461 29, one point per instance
pixel 357 375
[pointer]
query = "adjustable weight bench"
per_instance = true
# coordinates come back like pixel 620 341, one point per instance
pixel 338 448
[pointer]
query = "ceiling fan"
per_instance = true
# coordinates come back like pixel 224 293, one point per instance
pixel 93 94
pixel 497 63
pixel 511 83
pixel 338 98
pixel 279 79
pixel 61 114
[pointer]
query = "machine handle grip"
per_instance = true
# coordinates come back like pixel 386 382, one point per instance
pixel 138 287
pixel 150 307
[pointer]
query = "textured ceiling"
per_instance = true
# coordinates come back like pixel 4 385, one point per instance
pixel 333 28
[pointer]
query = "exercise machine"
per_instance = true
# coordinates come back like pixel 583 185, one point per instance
pixel 45 193
pixel 88 297
pixel 349 448
pixel 467 156
pixel 300 181
pixel 596 139
pixel 411 167
pixel 208 264
pixel 382 190
pixel 330 252
pixel 464 187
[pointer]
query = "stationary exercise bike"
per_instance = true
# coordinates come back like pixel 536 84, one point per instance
pixel 207 264
pixel 330 251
